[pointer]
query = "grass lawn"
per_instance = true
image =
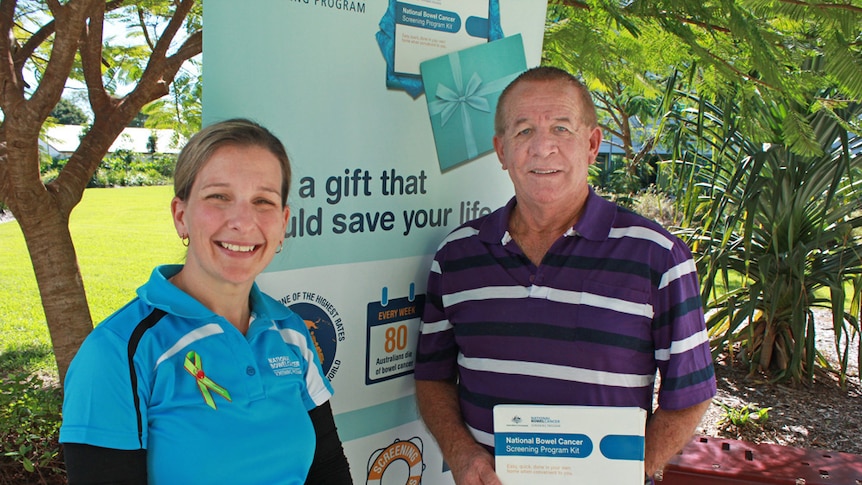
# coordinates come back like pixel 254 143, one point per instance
pixel 120 234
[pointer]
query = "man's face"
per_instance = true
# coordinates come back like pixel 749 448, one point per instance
pixel 546 148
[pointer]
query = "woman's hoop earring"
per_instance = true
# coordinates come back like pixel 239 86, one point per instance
pixel 185 240
pixel 280 247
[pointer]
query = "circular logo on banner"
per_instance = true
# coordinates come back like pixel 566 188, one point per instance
pixel 398 464
pixel 323 323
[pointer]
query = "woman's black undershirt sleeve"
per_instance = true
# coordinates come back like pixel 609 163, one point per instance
pixel 94 465
pixel 330 465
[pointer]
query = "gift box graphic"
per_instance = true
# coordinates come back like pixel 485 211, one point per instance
pixel 462 89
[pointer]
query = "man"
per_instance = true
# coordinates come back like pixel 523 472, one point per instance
pixel 560 297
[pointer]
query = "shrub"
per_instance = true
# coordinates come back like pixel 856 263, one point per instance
pixel 127 169
pixel 657 206
pixel 120 169
pixel 163 164
pixel 785 225
pixel 745 417
pixel 29 429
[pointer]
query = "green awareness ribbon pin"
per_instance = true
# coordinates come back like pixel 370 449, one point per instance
pixel 205 384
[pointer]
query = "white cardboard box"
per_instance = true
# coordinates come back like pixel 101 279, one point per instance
pixel 569 444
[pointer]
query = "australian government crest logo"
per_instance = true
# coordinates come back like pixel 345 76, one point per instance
pixel 324 324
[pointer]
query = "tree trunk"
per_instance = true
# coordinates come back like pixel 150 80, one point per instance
pixel 43 216
pixel 55 264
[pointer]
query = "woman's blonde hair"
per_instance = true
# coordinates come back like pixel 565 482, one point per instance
pixel 237 131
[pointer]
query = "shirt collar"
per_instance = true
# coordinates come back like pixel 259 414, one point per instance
pixel 161 293
pixel 594 224
pixel 597 219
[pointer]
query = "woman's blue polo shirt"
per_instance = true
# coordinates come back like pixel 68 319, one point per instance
pixel 209 404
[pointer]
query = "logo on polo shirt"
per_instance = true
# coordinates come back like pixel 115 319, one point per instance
pixel 324 324
pixel 409 468
pixel 284 365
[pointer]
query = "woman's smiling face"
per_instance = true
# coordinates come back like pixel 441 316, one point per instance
pixel 233 216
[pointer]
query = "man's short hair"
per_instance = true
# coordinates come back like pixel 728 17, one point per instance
pixel 547 73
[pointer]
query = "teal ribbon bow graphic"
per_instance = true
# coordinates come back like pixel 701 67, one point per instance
pixel 194 366
pixel 464 97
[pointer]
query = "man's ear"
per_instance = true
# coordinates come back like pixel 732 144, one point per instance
pixel 595 143
pixel 498 147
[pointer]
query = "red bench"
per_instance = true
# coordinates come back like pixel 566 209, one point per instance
pixel 716 461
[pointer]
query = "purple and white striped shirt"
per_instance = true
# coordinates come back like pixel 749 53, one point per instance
pixel 615 299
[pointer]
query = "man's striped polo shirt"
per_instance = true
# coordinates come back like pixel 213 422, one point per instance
pixel 615 299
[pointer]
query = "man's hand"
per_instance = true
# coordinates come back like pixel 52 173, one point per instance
pixel 475 467
pixel 470 462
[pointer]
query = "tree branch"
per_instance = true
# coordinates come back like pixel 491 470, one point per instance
pixel 735 70
pixel 705 54
pixel 69 19
pixel 826 6
pixel 161 70
pixel 614 133
pixel 144 28
pixel 610 107
pixel 91 62
pixel 644 151
pixel 164 42
pixel 11 85
pixel 570 3
pixel 710 27
pixel 46 31
pixel 29 47
pixel 190 48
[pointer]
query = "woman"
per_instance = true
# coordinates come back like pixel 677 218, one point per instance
pixel 202 378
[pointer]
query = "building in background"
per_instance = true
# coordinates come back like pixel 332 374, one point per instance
pixel 62 140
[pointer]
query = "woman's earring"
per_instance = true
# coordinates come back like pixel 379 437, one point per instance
pixel 185 239
pixel 280 247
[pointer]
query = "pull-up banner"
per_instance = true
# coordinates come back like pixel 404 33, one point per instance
pixel 386 109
